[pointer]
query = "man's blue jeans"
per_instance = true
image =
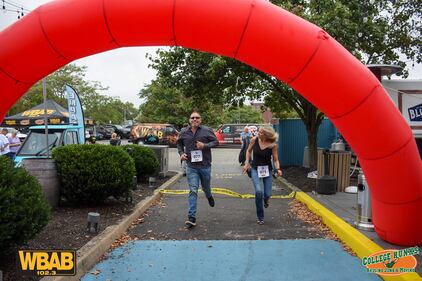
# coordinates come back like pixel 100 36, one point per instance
pixel 194 176
pixel 261 193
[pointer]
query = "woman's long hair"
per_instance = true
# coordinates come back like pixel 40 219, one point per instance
pixel 269 133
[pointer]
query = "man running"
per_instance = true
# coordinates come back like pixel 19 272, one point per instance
pixel 194 146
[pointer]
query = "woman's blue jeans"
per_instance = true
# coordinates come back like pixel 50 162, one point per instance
pixel 196 176
pixel 263 188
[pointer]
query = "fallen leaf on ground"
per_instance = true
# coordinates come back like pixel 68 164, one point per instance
pixel 121 240
pixel 96 272
pixel 302 212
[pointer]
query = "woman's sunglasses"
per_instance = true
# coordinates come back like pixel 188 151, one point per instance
pixel 195 117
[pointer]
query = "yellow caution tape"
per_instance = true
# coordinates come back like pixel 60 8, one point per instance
pixel 225 191
pixel 176 192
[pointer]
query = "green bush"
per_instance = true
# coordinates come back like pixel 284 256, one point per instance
pixel 146 162
pixel 23 210
pixel 92 173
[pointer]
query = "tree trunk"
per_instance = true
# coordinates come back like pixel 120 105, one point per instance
pixel 312 121
pixel 312 146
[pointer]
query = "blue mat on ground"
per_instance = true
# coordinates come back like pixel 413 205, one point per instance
pixel 225 260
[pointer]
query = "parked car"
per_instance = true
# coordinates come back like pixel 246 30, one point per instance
pixel 105 132
pixel 166 133
pixel 93 131
pixel 122 132
pixel 230 133
pixel 126 131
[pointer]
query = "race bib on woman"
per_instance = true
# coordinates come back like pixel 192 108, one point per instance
pixel 196 156
pixel 263 171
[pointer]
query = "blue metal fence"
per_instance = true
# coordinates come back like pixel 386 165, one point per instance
pixel 293 138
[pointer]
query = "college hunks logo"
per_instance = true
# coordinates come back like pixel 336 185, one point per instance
pixel 46 262
pixel 391 262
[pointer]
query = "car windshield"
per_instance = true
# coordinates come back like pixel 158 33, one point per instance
pixel 35 143
pixel 118 127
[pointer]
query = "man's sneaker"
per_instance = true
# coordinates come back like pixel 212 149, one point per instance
pixel 211 201
pixel 191 222
pixel 266 202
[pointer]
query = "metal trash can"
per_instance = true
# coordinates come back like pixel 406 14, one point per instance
pixel 364 211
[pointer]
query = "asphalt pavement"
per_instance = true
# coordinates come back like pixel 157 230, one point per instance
pixel 227 243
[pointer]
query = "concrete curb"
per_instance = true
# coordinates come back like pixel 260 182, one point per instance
pixel 349 235
pixel 89 254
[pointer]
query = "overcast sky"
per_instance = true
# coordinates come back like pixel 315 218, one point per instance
pixel 125 71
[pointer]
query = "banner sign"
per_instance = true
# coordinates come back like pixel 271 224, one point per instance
pixel 74 106
pixel 76 114
pixel 415 113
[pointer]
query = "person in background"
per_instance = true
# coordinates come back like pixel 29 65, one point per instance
pixel 262 148
pixel 183 162
pixel 151 137
pixel 253 130
pixel 14 144
pixel 4 144
pixel 115 140
pixel 194 146
pixel 245 138
pixel 92 140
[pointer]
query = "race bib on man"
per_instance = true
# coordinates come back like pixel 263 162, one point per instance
pixel 263 171
pixel 196 156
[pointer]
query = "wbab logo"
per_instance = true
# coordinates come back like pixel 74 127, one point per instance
pixel 392 262
pixel 46 262
pixel 415 113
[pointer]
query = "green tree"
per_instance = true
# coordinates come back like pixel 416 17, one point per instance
pixel 374 31
pixel 95 104
pixel 104 109
pixel 164 104
pixel 55 83
pixel 242 114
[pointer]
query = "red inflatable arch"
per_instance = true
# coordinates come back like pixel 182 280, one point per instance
pixel 254 32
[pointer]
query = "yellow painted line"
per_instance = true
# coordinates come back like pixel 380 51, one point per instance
pixel 225 191
pixel 360 244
